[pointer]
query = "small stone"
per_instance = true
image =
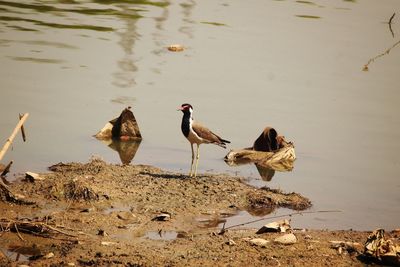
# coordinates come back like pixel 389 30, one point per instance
pixel 101 232
pixel 71 264
pixel 162 217
pixel 230 242
pixel 259 242
pixel 126 216
pixel 279 226
pixel 308 237
pixel 31 177
pixel 49 255
pixel 287 239
pixel 107 243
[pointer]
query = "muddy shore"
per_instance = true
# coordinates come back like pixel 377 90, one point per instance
pixel 99 214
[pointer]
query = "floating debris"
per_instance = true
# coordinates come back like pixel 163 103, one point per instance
pixel 176 48
pixel 270 151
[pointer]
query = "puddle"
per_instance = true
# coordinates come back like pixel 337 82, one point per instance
pixel 162 235
pixel 21 253
pixel 113 209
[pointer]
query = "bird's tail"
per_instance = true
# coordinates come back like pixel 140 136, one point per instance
pixel 223 142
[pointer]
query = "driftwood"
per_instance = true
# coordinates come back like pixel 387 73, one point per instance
pixel 5 193
pixel 276 154
pixel 12 136
pixel 31 227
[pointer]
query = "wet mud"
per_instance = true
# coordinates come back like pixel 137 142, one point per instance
pixel 98 214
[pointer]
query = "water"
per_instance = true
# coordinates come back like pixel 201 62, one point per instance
pixel 296 66
pixel 162 235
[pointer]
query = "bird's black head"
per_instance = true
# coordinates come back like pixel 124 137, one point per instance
pixel 186 108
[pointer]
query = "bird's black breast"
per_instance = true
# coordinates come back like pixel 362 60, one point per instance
pixel 185 126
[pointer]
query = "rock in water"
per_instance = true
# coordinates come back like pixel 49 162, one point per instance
pixel 125 126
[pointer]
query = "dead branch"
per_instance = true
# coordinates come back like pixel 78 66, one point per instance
pixel 35 228
pixel 390 24
pixel 7 169
pixel 22 129
pixel 224 229
pixel 281 160
pixel 12 136
pixel 387 51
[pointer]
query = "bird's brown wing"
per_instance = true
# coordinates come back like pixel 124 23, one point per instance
pixel 205 133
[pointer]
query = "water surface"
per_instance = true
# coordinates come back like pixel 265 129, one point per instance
pixel 293 65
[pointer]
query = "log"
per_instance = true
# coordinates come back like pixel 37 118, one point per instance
pixel 281 160
pixel 12 136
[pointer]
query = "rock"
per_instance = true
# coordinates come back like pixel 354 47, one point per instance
pixel 126 216
pixel 230 242
pixel 32 177
pixel 71 264
pixel 287 239
pixel 107 243
pixel 259 242
pixel 279 226
pixel 101 232
pixel 125 128
pixel 162 217
pixel 49 255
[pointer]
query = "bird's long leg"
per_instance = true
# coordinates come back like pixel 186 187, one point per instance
pixel 197 159
pixel 191 165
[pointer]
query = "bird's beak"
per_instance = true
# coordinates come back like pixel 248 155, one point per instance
pixel 180 109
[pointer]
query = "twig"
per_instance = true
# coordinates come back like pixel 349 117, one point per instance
pixel 365 68
pixel 22 129
pixel 12 136
pixel 16 229
pixel 390 24
pixel 6 169
pixel 278 216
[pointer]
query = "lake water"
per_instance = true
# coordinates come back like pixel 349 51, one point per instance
pixel 293 65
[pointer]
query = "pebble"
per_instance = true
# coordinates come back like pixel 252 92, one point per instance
pixel 49 255
pixel 230 242
pixel 259 242
pixel 287 239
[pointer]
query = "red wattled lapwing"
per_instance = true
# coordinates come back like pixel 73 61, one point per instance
pixel 197 134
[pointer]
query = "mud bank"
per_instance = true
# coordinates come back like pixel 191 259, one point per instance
pixel 97 214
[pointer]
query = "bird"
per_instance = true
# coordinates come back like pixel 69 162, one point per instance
pixel 197 134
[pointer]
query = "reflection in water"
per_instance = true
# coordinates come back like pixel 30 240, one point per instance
pixel 126 149
pixel 21 253
pixel 125 77
pixel 161 235
pixel 187 9
pixel 266 173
